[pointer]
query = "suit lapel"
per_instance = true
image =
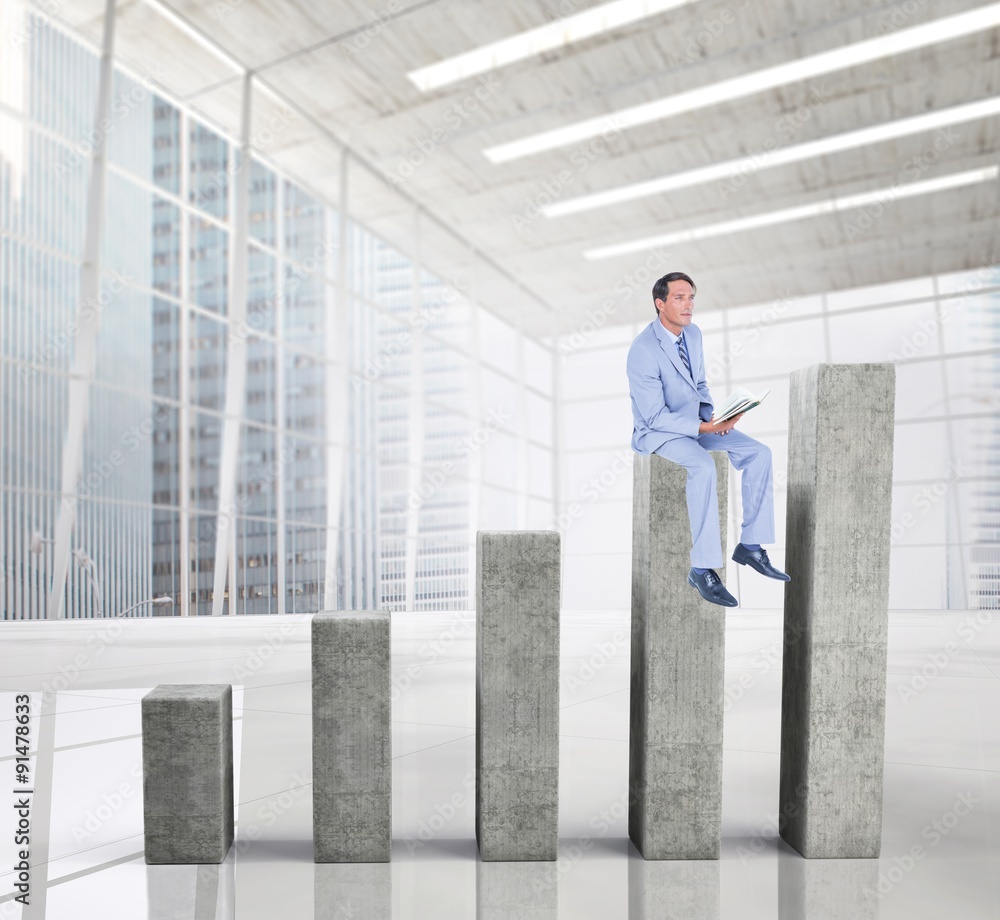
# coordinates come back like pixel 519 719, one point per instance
pixel 674 356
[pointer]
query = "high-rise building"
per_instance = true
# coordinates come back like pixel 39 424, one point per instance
pixel 47 88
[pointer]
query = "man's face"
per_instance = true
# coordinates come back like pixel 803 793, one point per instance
pixel 677 309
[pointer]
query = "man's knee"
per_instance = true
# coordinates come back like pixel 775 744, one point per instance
pixel 703 469
pixel 754 451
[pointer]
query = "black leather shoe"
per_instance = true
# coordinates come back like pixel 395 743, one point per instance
pixel 758 560
pixel 711 588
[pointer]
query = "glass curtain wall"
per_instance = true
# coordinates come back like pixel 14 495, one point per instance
pixel 420 402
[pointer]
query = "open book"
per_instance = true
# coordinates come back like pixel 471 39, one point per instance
pixel 739 401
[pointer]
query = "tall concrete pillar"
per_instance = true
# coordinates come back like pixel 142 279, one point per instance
pixel 517 694
pixel 678 658
pixel 187 773
pixel 840 437
pixel 352 737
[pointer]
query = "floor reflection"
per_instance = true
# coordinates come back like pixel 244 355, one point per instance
pixel 352 890
pixel 826 889
pixel 199 892
pixel 517 891
pixel 670 889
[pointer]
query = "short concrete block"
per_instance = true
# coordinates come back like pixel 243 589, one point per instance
pixel 517 694
pixel 187 782
pixel 678 685
pixel 841 419
pixel 352 737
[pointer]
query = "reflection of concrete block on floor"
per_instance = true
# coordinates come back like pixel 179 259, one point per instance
pixel 199 891
pixel 827 889
pixel 517 891
pixel 517 694
pixel 362 890
pixel 674 888
pixel 678 686
pixel 836 608
pixel 187 759
pixel 352 737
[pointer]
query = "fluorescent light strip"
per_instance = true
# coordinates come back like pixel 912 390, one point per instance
pixel 195 35
pixel 864 52
pixel 553 35
pixel 782 157
pixel 787 215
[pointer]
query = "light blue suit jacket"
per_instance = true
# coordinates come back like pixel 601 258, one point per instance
pixel 666 402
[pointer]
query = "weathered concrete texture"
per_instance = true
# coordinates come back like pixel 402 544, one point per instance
pixel 517 891
pixel 352 737
pixel 517 694
pixel 836 608
pixel 827 889
pixel 187 780
pixel 678 657
pixel 679 888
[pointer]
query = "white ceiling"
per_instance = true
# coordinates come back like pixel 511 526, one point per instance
pixel 342 68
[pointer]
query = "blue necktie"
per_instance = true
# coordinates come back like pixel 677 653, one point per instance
pixel 684 355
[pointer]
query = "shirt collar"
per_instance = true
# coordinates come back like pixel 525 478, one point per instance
pixel 663 333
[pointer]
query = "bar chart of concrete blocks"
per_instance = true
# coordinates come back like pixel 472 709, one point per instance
pixel 833 686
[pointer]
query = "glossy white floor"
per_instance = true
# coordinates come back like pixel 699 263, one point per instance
pixel 942 781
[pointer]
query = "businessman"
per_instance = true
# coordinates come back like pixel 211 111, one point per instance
pixel 672 411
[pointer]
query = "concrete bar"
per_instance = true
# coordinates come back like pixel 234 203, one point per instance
pixel 352 737
pixel 836 608
pixel 678 657
pixel 187 780
pixel 517 694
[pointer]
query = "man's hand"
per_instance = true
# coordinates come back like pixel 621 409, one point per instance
pixel 719 427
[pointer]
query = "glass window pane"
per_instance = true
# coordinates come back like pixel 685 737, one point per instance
pixel 304 402
pixel 208 178
pixel 166 146
pixel 166 472
pixel 263 204
pixel 166 247
pixel 256 567
pixel 207 362
pixel 166 349
pixel 262 284
pixel 209 265
pixel 258 471
pixel 304 224
pixel 305 296
pixel 202 556
pixel 260 381
pixel 206 451
pixel 167 560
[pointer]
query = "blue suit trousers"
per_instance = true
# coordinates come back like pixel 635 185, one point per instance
pixel 749 456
